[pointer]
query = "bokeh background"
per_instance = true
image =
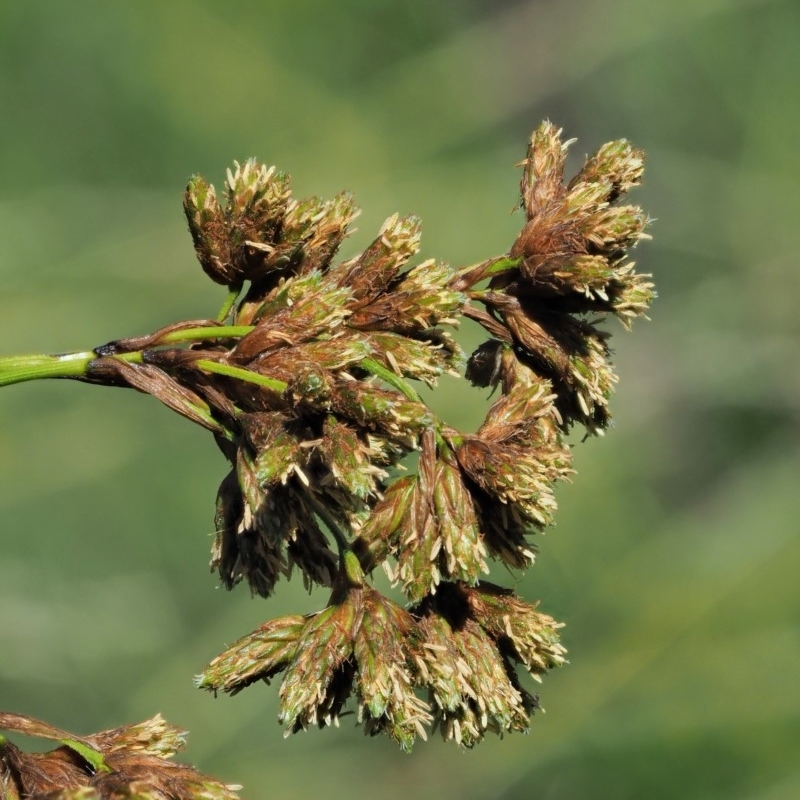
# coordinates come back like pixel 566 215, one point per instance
pixel 676 560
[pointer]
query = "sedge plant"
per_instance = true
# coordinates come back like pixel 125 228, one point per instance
pixel 307 380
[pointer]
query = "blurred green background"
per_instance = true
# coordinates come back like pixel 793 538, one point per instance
pixel 676 560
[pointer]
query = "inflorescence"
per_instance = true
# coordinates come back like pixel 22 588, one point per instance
pixel 134 761
pixel 306 379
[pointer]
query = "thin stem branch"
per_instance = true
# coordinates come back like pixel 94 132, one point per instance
pixel 466 278
pixel 201 334
pixel 241 374
pixel 330 521
pixel 379 371
pixel 230 301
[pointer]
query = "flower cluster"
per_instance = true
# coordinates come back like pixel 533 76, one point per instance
pixel 572 262
pixel 132 761
pixel 306 379
pixel 308 395
pixel 459 645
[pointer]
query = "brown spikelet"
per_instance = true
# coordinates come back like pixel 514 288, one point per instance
pixel 130 761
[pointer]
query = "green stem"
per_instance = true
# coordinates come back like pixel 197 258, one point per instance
pixel 202 334
pixel 352 567
pixel 93 757
pixel 241 374
pixel 230 301
pixel 17 369
pixel 502 264
pixel 475 273
pixel 379 371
